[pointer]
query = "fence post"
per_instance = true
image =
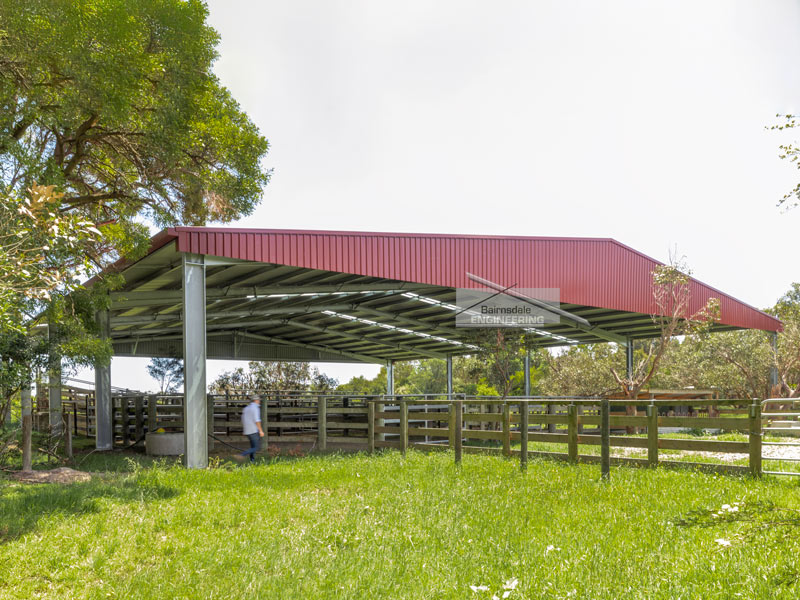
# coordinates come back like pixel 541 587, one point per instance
pixel 210 420
pixel 138 416
pixel 652 435
pixel 551 410
pixel 124 420
pixel 755 439
pixel 506 429
pixel 264 419
pixel 370 427
pixel 457 429
pixel 152 416
pixel 523 435
pixel 451 425
pixel 403 426
pixel 605 442
pixel 68 435
pixel 572 433
pixel 322 424
pixel 381 422
pixel 113 421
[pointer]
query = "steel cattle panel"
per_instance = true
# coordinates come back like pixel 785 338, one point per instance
pixel 599 272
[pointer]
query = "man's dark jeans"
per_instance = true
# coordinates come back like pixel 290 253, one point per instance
pixel 255 446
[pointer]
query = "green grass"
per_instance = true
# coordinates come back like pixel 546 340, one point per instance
pixel 382 526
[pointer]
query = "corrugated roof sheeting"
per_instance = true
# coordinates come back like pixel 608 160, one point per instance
pixel 588 271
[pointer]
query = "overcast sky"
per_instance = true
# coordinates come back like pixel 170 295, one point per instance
pixel 640 121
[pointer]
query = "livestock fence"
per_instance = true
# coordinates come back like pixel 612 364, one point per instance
pixel 578 430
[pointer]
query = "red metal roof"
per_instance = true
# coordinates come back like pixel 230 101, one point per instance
pixel 599 272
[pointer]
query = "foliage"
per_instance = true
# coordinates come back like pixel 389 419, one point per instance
pixel 317 528
pixel 272 375
pixel 42 252
pixel 168 372
pixel 583 370
pixel 42 261
pixel 116 103
pixel 110 118
pixel 790 152
pixel 672 296
pixel 502 351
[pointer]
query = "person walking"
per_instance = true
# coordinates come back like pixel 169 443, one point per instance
pixel 251 427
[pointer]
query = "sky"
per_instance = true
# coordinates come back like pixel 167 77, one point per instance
pixel 640 121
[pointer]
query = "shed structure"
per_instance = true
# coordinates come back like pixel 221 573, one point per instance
pixel 333 296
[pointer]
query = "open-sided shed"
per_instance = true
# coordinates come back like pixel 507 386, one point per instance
pixel 260 294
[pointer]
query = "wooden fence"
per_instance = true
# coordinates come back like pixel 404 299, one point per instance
pixel 464 424
pixel 394 423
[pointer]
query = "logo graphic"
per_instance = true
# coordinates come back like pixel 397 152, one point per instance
pixel 501 306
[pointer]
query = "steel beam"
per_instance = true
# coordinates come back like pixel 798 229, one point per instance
pixel 320 347
pixel 104 433
pixel 258 291
pixel 368 338
pixel 390 378
pixel 194 362
pixel 177 318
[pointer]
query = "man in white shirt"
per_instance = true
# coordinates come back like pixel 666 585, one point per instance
pixel 251 426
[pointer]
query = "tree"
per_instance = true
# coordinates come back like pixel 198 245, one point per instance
pixel 115 102
pixel 790 152
pixel 42 257
pixel 501 353
pixel 272 375
pixel 672 295
pixel 168 372
pixel 582 370
pixel 787 357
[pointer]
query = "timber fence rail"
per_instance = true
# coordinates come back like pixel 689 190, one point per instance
pixel 470 424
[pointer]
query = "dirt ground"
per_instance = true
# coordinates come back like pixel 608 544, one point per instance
pixel 59 475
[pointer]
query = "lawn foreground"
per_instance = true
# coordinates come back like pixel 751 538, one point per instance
pixel 391 527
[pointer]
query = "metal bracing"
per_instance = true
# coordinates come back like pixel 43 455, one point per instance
pixel 194 362
pixel 104 435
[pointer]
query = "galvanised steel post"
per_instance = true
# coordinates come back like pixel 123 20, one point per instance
pixel 449 361
pixel 527 373
pixel 195 411
pixel 104 434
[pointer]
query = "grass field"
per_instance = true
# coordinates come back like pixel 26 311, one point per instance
pixel 387 527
